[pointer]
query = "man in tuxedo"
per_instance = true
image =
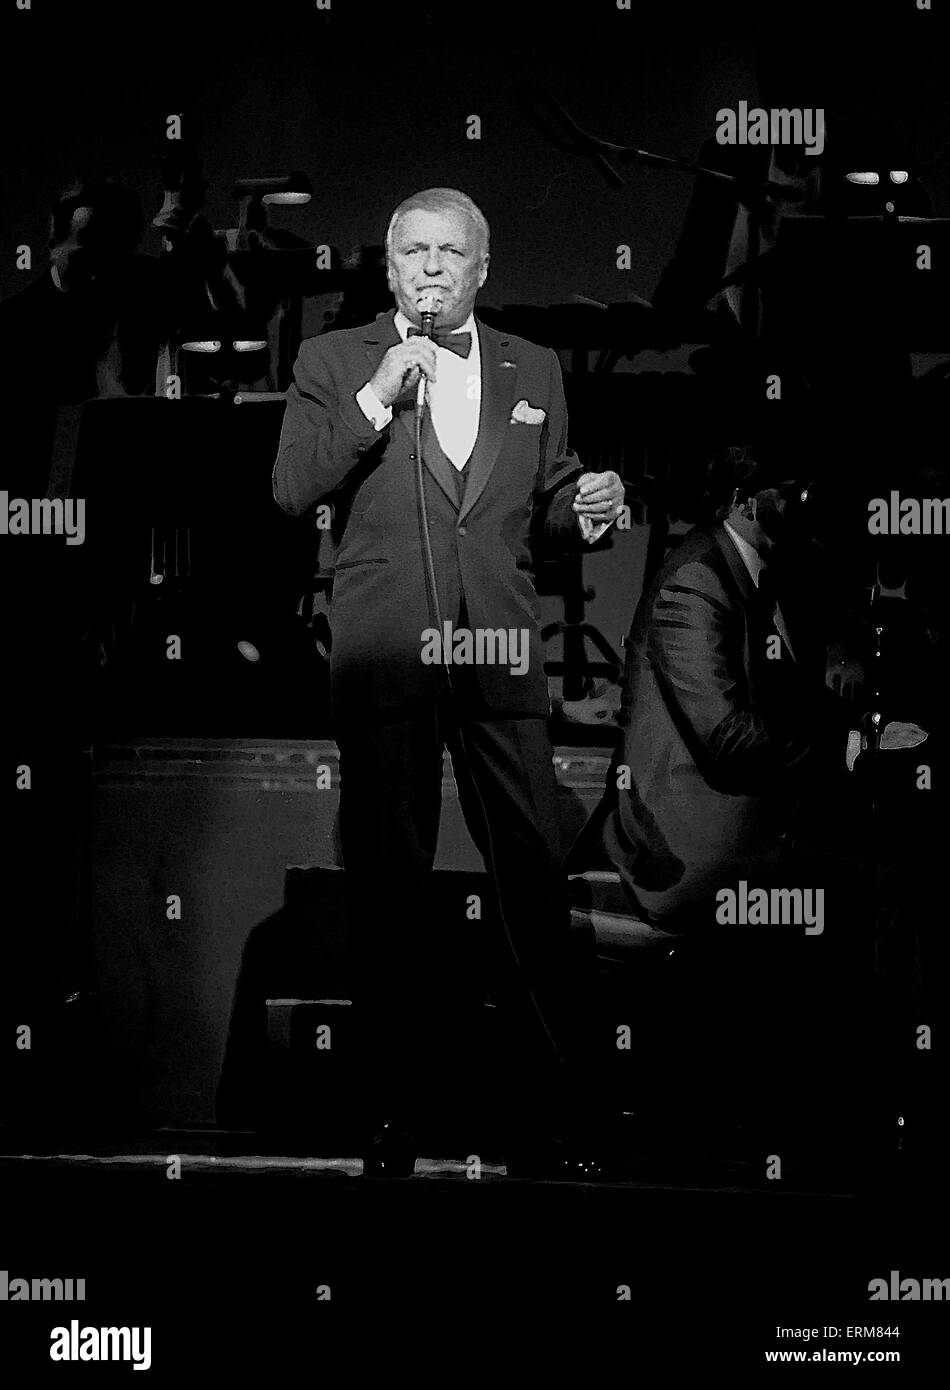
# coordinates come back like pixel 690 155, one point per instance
pixel 499 481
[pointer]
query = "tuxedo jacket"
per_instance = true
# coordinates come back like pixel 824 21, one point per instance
pixel 719 734
pixel 517 496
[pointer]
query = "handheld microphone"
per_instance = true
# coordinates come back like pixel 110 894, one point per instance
pixel 429 305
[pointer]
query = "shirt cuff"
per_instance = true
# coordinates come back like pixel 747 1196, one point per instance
pixel 592 531
pixel 377 414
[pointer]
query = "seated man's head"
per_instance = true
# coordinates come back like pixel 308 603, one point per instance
pixel 95 228
pixel 437 241
pixel 762 517
pixel 759 503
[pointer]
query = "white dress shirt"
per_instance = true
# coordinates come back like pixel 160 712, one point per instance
pixel 454 397
pixel 754 564
pixel 454 403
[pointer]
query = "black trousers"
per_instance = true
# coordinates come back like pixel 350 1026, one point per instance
pixel 419 981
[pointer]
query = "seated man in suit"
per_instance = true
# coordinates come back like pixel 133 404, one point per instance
pixel 725 716
pixel 728 733
pixel 730 805
pixel 497 475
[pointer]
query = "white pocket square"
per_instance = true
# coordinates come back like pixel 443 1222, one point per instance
pixel 525 414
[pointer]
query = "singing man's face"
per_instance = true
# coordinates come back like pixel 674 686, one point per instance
pixel 437 251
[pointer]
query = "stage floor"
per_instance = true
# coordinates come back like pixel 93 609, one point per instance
pixel 238 1257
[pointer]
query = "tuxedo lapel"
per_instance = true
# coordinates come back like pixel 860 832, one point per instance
pixel 498 395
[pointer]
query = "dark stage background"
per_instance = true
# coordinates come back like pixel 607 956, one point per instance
pixel 372 103
pixel 147 778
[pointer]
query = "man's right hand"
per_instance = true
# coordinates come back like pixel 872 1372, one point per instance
pixel 402 367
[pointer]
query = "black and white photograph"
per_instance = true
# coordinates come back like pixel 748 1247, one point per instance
pixel 475 529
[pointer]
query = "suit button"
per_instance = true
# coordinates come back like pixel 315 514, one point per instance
pixel 461 530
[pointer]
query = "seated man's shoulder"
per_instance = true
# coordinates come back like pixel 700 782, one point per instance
pixel 693 564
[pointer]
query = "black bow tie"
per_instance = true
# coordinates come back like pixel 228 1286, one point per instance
pixel 459 343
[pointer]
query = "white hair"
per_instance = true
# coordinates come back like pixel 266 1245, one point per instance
pixel 439 200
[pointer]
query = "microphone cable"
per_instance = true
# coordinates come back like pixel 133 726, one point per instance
pixel 436 616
